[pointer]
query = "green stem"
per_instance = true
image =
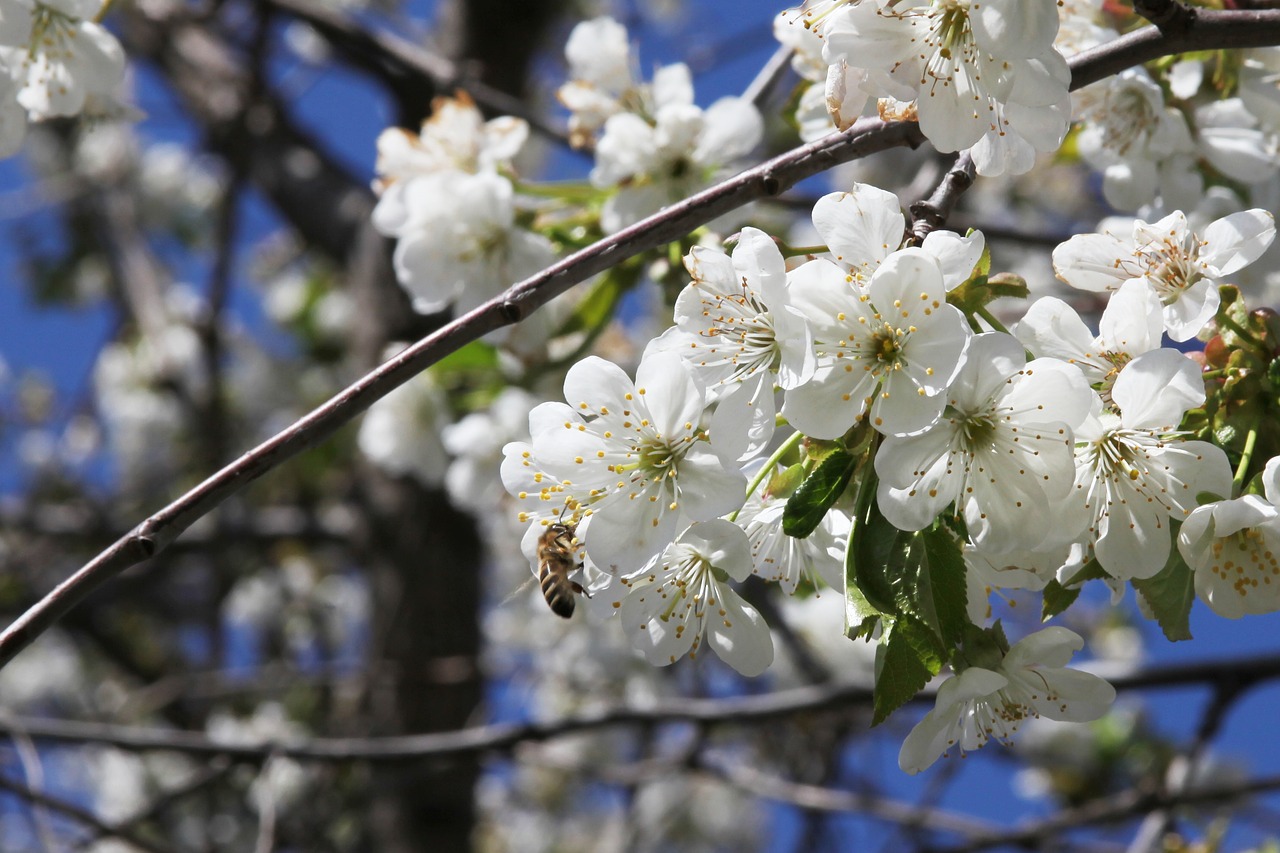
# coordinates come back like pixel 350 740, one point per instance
pixel 791 251
pixel 1246 457
pixel 767 468
pixel 1239 331
pixel 862 506
pixel 985 313
pixel 560 190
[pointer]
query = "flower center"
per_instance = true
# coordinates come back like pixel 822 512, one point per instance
pixel 1244 561
pixel 1173 275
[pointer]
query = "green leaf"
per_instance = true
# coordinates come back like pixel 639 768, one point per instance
pixel 917 575
pixel 909 659
pixel 596 308
pixel 860 618
pixel 476 355
pixel 1170 594
pixel 945 573
pixel 1057 598
pixel 877 552
pixel 805 509
pixel 1090 571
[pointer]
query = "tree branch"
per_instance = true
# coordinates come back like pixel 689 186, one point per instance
pixel 76 813
pixel 156 532
pixel 738 710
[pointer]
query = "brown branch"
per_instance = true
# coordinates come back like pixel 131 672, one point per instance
pixel 1214 30
pixel 407 66
pixel 1113 809
pixel 1233 29
pixel 932 213
pixel 738 710
pixel 78 814
pixel 156 532
pixel 821 799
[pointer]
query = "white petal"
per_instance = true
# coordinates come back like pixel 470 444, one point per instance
pixel 740 637
pixel 1156 389
pixel 1233 242
pixel 860 227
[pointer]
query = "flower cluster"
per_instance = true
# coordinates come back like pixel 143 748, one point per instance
pixel 656 146
pixel 853 416
pixel 984 76
pixel 863 348
pixel 448 200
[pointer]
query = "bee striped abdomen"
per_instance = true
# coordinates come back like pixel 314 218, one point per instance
pixel 556 589
pixel 555 562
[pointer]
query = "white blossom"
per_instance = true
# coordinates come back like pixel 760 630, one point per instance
pixel 685 595
pixel 459 242
pixel 980 704
pixel 983 74
pixel 58 56
pixel 1001 451
pixel 888 350
pixel 656 161
pixel 401 432
pixel 789 560
pixel 1142 145
pixel 1134 471
pixel 641 455
pixel 476 442
pixel 1131 324
pixel 731 322
pixel 1234 548
pixel 1182 268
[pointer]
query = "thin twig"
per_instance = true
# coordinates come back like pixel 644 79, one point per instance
pixel 932 213
pixel 1112 809
pixel 739 710
pixel 389 55
pixel 768 76
pixel 818 798
pixel 76 813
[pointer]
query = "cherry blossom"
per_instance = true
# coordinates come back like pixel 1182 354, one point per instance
pixel 864 226
pixel 889 350
pixel 1135 471
pixel 979 704
pixel 1001 451
pixel 1233 547
pixel 685 595
pixel 459 242
pixel 1143 146
pixel 1182 268
pixel 643 454
pixel 787 559
pixel 1131 324
pixel 401 432
pixel 58 56
pixel 656 161
pixel 730 324
pixel 983 72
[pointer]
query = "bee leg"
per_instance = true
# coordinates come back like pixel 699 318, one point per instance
pixel 577 587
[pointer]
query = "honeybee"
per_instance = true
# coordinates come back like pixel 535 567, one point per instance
pixel 556 560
